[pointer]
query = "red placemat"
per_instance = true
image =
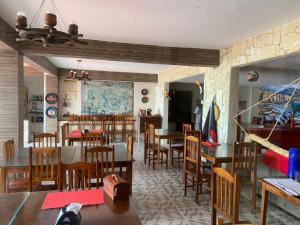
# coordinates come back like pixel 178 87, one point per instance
pixel 210 144
pixel 60 199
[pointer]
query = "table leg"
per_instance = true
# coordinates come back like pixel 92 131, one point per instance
pixel 3 180
pixel 264 204
pixel 129 170
pixel 158 153
pixel 214 212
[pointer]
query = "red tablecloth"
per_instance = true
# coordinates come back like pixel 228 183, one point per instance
pixel 78 134
pixel 276 161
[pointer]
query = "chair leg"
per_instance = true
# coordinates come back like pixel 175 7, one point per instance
pixel 167 162
pixel 253 198
pixel 178 159
pixel 185 182
pixel 197 189
pixel 172 157
pixel 193 184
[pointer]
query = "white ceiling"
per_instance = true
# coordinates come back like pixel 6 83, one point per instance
pixel 104 65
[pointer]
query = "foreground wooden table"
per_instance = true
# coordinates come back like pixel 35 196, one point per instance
pixel 69 154
pixel 121 212
pixel 269 188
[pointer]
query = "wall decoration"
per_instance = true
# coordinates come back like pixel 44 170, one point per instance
pixel 145 99
pixel 51 112
pixel 144 91
pixel 106 97
pixel 51 98
pixel 271 109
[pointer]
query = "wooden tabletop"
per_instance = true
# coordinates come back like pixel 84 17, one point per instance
pixel 69 154
pixel 218 154
pixel 166 133
pixel 121 212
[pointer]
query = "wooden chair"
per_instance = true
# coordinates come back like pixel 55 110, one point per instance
pixel 8 149
pixel 44 140
pixel 43 173
pixel 244 163
pixel 78 175
pixel 178 148
pixel 193 166
pixel 225 194
pixel 152 150
pixel 91 140
pixel 16 178
pixel 104 156
pixel 130 145
pixel 118 127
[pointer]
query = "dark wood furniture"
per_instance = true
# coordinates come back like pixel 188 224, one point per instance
pixel 244 164
pixel 121 212
pixel 91 140
pixel 69 154
pixel 269 188
pixel 193 166
pixel 178 148
pixel 130 145
pixel 43 168
pixel 8 149
pixel 156 120
pixel 44 140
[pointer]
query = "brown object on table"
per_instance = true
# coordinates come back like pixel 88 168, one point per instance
pixel 155 153
pixel 225 194
pixel 179 147
pixel 244 164
pixel 156 120
pixel 116 187
pixel 8 149
pixel 42 174
pixel 79 175
pixel 269 188
pixel 105 214
pixel 193 166
pixel 44 140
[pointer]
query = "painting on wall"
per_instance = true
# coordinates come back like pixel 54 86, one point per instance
pixel 271 109
pixel 106 97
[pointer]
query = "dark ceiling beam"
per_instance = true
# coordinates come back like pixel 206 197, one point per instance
pixel 114 51
pixel 8 36
pixel 116 76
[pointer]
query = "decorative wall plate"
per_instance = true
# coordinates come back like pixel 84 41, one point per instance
pixel 144 91
pixel 51 112
pixel 51 98
pixel 145 99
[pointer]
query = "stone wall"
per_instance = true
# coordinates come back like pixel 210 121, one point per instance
pixel 223 81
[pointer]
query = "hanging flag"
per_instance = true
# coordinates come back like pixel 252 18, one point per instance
pixel 210 126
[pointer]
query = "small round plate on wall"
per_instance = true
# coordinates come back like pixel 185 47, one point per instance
pixel 51 98
pixel 144 91
pixel 51 112
pixel 145 99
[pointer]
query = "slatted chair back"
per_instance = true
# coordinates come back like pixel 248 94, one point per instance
pixel 194 133
pixel 78 175
pixel 151 135
pixel 130 145
pixel 244 157
pixel 225 195
pixel 186 127
pixel 91 140
pixel 192 150
pixel 105 156
pixel 44 140
pixel 43 165
pixel 8 149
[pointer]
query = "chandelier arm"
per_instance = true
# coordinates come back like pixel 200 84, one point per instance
pixel 290 98
pixel 59 14
pixel 37 13
pixel 297 80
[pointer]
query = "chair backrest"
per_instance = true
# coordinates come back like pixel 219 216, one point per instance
pixel 192 150
pixel 130 145
pixel 194 133
pixel 186 127
pixel 78 175
pixel 244 157
pixel 92 139
pixel 105 156
pixel 151 135
pixel 225 194
pixel 45 140
pixel 43 165
pixel 8 149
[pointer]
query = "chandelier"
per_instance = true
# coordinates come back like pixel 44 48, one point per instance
pixel 78 75
pixel 48 34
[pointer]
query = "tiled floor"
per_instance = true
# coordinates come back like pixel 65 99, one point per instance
pixel 159 199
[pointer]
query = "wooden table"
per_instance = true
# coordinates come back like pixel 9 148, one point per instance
pixel 218 154
pixel 69 154
pixel 269 188
pixel 166 134
pixel 121 212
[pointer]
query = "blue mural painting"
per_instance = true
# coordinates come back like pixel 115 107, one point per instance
pixel 106 97
pixel 271 109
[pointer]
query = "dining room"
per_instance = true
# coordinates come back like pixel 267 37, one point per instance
pixel 149 113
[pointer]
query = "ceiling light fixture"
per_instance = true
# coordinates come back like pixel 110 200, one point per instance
pixel 49 34
pixel 73 74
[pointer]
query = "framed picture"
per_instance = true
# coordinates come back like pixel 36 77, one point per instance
pixel 144 91
pixel 51 98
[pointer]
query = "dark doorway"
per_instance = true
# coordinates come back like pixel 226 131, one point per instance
pixel 180 108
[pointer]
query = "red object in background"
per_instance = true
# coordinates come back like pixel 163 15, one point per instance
pixel 292 124
pixel 78 134
pixel 276 161
pixel 60 199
